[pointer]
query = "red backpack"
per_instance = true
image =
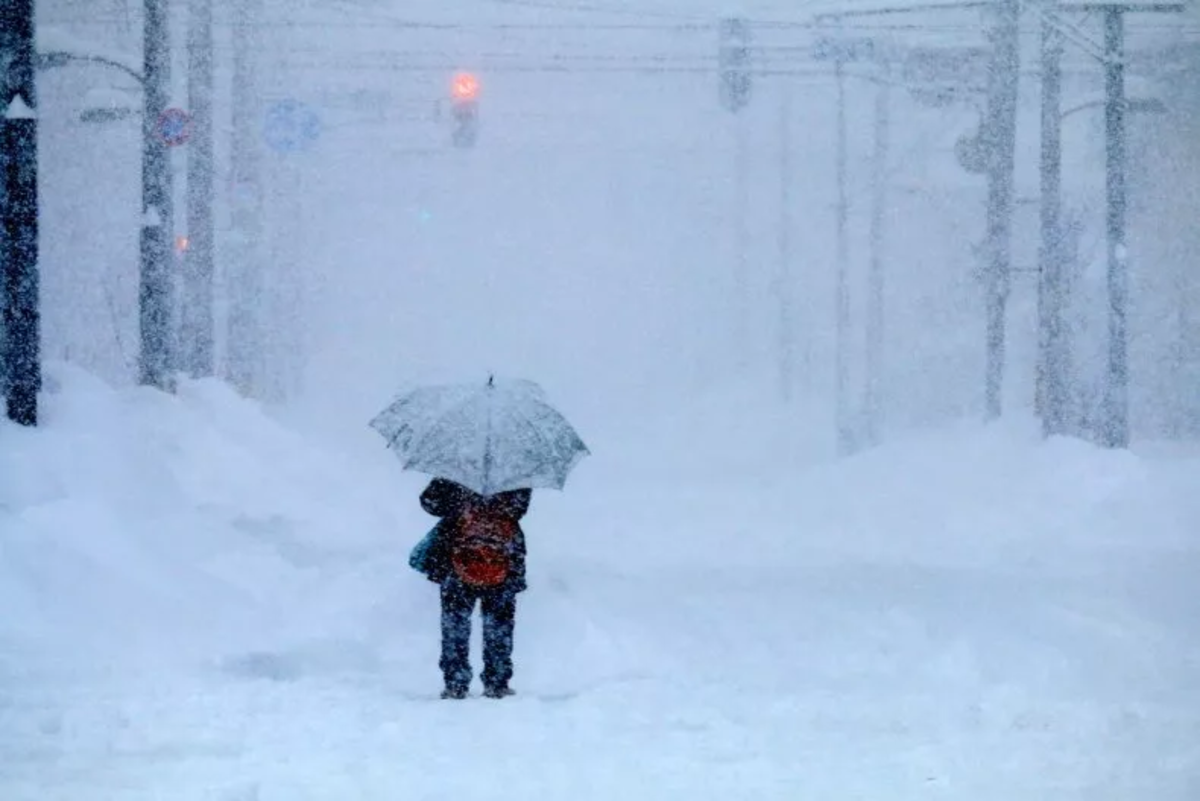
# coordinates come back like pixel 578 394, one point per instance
pixel 481 548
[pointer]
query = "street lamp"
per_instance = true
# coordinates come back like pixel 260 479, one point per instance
pixel 155 285
pixel 61 58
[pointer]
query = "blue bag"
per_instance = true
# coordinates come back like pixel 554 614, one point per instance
pixel 418 558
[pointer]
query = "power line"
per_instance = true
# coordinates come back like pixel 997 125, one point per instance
pixel 509 54
pixel 856 26
pixel 567 67
pixel 592 8
pixel 450 27
pixel 916 8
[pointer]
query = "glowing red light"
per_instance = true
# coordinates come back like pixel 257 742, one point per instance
pixel 465 86
pixel 182 243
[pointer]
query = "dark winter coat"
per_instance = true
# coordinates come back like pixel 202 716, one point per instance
pixel 447 500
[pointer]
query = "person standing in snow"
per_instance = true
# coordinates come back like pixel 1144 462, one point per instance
pixel 493 580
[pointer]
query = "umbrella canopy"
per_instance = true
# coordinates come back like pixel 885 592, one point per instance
pixel 491 437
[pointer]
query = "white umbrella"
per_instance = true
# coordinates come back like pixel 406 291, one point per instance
pixel 490 438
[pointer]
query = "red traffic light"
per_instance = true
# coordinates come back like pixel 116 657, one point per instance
pixel 465 86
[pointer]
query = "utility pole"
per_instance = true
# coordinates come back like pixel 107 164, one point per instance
pixel 22 377
pixel 197 328
pixel 733 59
pixel 1052 353
pixel 1116 387
pixel 845 436
pixel 999 132
pixel 875 275
pixel 733 92
pixel 244 354
pixel 841 51
pixel 155 290
pixel 784 279
pixel 283 341
pixel 741 243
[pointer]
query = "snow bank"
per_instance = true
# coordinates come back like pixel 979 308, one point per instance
pixel 140 523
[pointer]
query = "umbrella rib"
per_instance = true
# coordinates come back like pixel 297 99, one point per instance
pixel 541 435
pixel 379 423
pixel 395 437
pixel 550 447
pixel 415 447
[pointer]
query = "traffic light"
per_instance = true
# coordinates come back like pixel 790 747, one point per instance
pixel 464 99
pixel 733 59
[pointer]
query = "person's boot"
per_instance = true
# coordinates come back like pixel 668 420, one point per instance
pixel 454 693
pixel 503 691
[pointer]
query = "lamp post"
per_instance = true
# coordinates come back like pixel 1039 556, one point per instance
pixel 156 287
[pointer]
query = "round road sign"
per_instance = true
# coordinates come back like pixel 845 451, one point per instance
pixel 174 127
pixel 290 126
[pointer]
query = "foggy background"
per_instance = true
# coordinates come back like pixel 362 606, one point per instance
pixel 588 239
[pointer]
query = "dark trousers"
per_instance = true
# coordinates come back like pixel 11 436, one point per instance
pixel 498 608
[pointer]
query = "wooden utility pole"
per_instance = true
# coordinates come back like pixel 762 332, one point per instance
pixel 1115 430
pixel 875 271
pixel 197 328
pixel 741 244
pixel 1000 133
pixel 845 433
pixel 156 285
pixel 1052 365
pixel 244 353
pixel 787 334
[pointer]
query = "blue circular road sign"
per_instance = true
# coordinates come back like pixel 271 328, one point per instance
pixel 174 126
pixel 290 126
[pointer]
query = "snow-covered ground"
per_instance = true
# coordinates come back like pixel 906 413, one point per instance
pixel 200 602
